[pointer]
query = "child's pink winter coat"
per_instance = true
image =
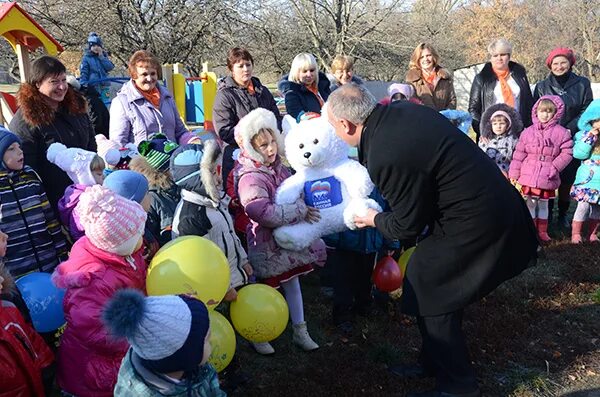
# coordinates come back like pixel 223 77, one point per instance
pixel 88 357
pixel 257 187
pixel 543 150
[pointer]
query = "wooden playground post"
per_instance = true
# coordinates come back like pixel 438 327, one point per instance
pixel 24 62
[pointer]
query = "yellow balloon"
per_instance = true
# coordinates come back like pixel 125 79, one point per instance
pixel 260 313
pixel 222 341
pixel 404 258
pixel 190 265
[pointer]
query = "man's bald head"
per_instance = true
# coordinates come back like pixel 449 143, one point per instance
pixel 351 102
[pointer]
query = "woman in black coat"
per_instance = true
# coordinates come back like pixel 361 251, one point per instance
pixel 305 88
pixel 479 233
pixel 488 86
pixel 576 93
pixel 51 111
pixel 238 95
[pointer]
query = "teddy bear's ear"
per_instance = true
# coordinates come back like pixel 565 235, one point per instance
pixel 287 124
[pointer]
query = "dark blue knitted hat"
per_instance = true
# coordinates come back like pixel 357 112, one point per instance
pixel 7 138
pixel 94 39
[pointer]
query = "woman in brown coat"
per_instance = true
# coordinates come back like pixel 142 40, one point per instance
pixel 433 84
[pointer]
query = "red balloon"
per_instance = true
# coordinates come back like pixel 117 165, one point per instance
pixel 387 275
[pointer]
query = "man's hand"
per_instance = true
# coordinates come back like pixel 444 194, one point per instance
pixel 231 295
pixel 367 220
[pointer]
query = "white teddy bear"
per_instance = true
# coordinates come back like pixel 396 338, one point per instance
pixel 338 186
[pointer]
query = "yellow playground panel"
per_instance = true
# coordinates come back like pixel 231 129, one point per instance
pixel 25 35
pixel 190 106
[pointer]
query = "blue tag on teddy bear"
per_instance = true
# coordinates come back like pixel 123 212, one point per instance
pixel 323 193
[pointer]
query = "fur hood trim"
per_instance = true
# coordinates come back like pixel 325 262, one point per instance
pixel 37 113
pixel 208 164
pixel 250 125
pixel 516 124
pixel 591 113
pixel 414 75
pixel 8 282
pixel 156 179
pixel 192 167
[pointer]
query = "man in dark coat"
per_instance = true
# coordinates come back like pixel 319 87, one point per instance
pixel 479 233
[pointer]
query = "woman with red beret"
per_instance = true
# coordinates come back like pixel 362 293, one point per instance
pixel 576 93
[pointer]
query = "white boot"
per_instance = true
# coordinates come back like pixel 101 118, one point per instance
pixel 302 338
pixel 263 348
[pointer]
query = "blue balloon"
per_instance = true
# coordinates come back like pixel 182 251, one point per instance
pixel 44 301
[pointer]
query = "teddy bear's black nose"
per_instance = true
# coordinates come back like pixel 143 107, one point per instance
pixel 306 155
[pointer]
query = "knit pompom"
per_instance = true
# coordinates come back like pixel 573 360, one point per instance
pixel 54 150
pixel 124 312
pixel 112 157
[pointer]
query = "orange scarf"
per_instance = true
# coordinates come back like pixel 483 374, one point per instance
pixel 429 77
pixel 250 88
pixel 507 94
pixel 152 96
pixel 313 88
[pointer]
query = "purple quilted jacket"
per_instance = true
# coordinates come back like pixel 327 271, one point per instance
pixel 68 217
pixel 543 150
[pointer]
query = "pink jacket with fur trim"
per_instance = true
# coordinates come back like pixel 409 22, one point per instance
pixel 543 151
pixel 88 357
pixel 257 187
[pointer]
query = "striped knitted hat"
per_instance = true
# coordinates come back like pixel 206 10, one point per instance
pixel 111 222
pixel 157 151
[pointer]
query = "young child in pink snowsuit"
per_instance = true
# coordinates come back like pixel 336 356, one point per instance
pixel 260 175
pixel 543 151
pixel 108 258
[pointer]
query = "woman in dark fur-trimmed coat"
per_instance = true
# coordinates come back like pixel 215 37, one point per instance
pixel 51 111
pixel 488 87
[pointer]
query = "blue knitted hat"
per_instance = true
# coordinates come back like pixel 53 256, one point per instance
pixel 166 332
pixel 94 39
pixel 7 138
pixel 129 184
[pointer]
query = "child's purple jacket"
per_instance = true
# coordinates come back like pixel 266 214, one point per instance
pixel 66 206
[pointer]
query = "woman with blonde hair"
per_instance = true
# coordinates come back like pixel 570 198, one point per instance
pixel 305 88
pixel 342 72
pixel 433 84
pixel 500 81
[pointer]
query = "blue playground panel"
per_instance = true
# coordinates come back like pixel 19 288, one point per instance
pixel 194 102
pixel 194 99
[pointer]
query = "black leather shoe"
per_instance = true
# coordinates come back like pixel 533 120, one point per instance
pixel 410 371
pixel 436 393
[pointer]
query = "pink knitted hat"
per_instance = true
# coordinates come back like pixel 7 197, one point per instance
pixel 561 52
pixel 111 222
pixel 503 114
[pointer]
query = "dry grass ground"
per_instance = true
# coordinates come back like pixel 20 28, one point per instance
pixel 536 335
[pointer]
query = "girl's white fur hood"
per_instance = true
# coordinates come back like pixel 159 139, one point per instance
pixel 249 126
